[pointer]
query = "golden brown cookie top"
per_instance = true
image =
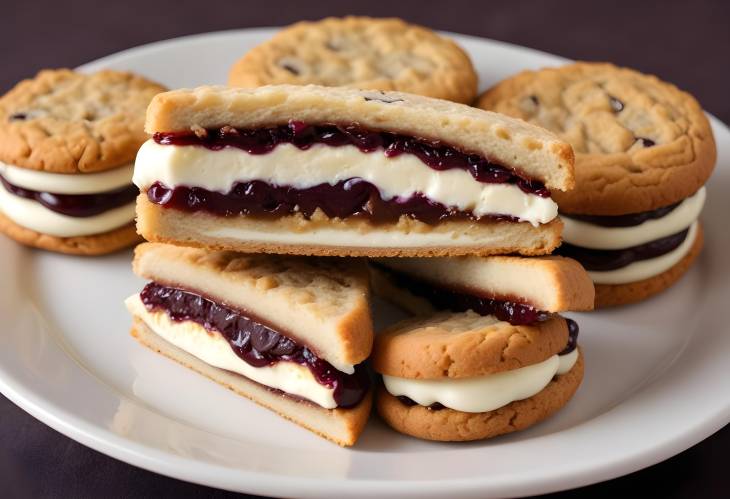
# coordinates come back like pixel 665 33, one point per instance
pixel 462 345
pixel 63 121
pixel 363 52
pixel 640 143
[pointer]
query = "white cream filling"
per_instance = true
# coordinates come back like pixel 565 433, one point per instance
pixel 213 349
pixel 483 393
pixel 588 235
pixel 65 183
pixel 34 216
pixel 399 176
pixel 644 269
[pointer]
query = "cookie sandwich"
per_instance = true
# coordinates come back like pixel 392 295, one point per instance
pixel 337 171
pixel 644 150
pixel 286 332
pixel 361 52
pixel 520 291
pixel 464 376
pixel 67 146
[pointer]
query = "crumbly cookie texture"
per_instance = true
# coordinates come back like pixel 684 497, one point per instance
pixel 640 143
pixel 528 149
pixel 98 244
pixel 342 426
pixel 361 52
pixel 550 283
pixel 462 345
pixel 448 425
pixel 322 303
pixel 611 295
pixel 63 121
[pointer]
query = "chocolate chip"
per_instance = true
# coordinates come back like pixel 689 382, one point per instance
pixel 290 68
pixel 616 104
pixel 646 142
pixel 535 100
pixel 18 117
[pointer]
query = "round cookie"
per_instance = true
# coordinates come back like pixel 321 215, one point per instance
pixel 63 121
pixel 456 426
pixel 640 143
pixel 363 52
pixel 462 345
pixel 98 244
pixel 609 295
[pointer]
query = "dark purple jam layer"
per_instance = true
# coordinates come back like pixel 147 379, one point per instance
pixel 436 155
pixel 601 260
pixel 76 205
pixel 254 342
pixel 572 345
pixel 630 220
pixel 349 198
pixel 460 301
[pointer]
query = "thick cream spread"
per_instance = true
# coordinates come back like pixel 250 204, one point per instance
pixel 399 176
pixel 64 183
pixel 483 393
pixel 213 349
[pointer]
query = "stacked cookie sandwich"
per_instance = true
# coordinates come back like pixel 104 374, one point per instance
pixel 67 143
pixel 287 170
pixel 644 150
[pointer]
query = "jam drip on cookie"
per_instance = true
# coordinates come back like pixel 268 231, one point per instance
pixel 436 155
pixel 256 343
pixel 629 220
pixel 354 197
pixel 603 260
pixel 445 298
pixel 76 205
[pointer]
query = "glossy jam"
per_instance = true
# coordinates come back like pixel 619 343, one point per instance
pixel 630 220
pixel 573 331
pixel 603 260
pixel 76 205
pixel 254 342
pixel 349 198
pixel 436 155
pixel 445 298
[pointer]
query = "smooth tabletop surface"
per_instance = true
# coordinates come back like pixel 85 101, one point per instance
pixel 684 43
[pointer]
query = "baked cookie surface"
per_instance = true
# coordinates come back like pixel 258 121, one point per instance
pixel 640 143
pixel 63 121
pixel 363 52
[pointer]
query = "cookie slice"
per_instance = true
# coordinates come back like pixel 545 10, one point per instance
pixel 361 52
pixel 516 290
pixel 644 150
pixel 67 143
pixel 336 171
pixel 287 332
pixel 463 376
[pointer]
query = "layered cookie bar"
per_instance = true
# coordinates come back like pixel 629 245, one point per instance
pixel 67 143
pixel 338 171
pixel 516 290
pixel 287 332
pixel 464 376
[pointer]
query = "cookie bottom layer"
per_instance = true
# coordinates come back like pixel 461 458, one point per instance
pixel 342 426
pixel 610 295
pixel 449 425
pixel 98 244
pixel 298 236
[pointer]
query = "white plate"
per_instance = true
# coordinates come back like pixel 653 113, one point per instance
pixel 656 373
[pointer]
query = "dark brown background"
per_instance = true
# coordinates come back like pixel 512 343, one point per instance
pixel 684 42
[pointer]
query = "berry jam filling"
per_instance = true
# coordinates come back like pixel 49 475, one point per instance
pixel 253 341
pixel 572 345
pixel 436 155
pixel 629 220
pixel 602 260
pixel 349 198
pixel 442 297
pixel 76 205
